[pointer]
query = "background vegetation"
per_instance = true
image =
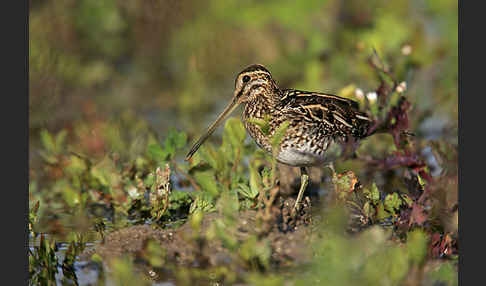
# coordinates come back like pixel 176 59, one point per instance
pixel 119 90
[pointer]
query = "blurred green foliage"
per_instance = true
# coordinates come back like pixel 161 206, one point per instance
pixel 364 260
pixel 113 84
pixel 165 54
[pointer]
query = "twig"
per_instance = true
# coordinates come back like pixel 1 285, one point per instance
pixel 189 178
pixel 271 199
pixel 237 161
pixel 382 68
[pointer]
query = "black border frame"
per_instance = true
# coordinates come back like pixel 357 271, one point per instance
pixel 15 121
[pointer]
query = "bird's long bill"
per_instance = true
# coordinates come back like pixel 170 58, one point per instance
pixel 227 111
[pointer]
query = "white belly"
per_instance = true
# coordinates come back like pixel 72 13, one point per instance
pixel 294 157
pixel 306 156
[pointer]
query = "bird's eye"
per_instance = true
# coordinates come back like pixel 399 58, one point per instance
pixel 246 78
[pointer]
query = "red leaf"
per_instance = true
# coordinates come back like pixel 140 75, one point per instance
pixel 418 215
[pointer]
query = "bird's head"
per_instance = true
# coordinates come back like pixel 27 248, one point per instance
pixel 252 82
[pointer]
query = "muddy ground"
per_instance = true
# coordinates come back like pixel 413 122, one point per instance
pixel 286 234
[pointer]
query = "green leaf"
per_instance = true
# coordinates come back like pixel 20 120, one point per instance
pixel 229 205
pixel 60 137
pixel 279 134
pixel 156 153
pixel 445 273
pixel 47 141
pixel 169 147
pixel 203 201
pixel 196 220
pixel 421 181
pixel 105 172
pixel 178 199
pixel 380 212
pixel 215 159
pixel 154 254
pixel 266 176
pixel 180 140
pixel 76 166
pixel 407 200
pixel 254 249
pixel 392 202
pixel 174 141
pixel 149 180
pixel 345 184
pixel 235 132
pixel 220 230
pixel 124 272
pixel 255 180
pixel 375 193
pixel 52 144
pixel 70 196
pixel 207 181
pixel 264 124
pixel 96 258
pixel 48 157
pixel 417 246
pixel 367 209
pixel 246 191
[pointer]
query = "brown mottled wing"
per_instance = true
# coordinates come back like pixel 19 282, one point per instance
pixel 336 116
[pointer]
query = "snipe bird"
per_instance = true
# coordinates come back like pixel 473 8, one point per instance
pixel 320 124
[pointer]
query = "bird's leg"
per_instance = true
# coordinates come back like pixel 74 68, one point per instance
pixel 334 178
pixel 304 180
pixel 331 166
